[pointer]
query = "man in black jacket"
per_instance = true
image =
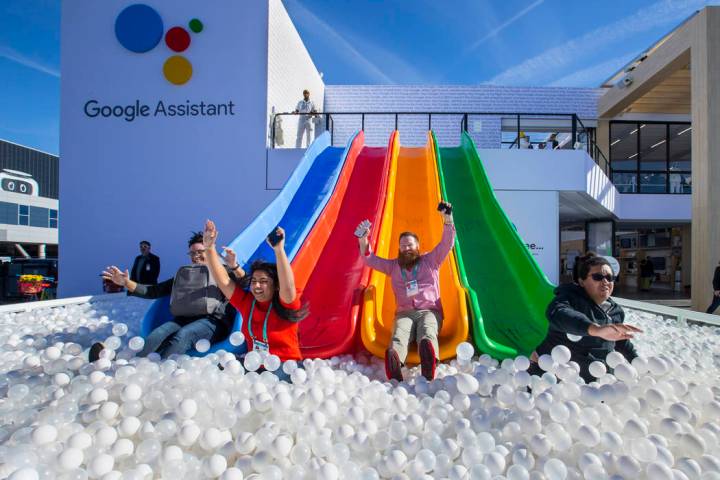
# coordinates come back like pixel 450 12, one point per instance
pixel 146 267
pixel 180 334
pixel 716 293
pixel 585 309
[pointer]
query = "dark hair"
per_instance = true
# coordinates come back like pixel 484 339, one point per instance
pixel 589 263
pixel 283 312
pixel 409 234
pixel 197 237
pixel 145 242
pixel 578 261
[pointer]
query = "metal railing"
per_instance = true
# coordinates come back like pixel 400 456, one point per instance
pixel 576 135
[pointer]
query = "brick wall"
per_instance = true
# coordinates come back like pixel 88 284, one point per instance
pixel 485 130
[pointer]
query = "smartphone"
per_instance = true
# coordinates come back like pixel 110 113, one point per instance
pixel 274 237
pixel 362 229
pixel 444 207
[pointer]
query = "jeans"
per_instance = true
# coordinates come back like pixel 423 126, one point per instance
pixel 172 337
pixel 714 305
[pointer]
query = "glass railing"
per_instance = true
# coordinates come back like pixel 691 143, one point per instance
pixel 550 131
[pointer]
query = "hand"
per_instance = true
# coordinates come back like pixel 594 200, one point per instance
pixel 613 332
pixel 115 275
pixel 209 234
pixel 717 293
pixel 230 257
pixel 447 217
pixel 281 244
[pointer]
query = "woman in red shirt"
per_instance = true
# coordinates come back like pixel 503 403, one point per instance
pixel 271 309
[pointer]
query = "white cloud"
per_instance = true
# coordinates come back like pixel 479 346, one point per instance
pixel 16 57
pixel 336 40
pixel 505 24
pixel 556 60
pixel 592 76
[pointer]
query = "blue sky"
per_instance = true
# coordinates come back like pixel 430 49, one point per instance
pixel 508 42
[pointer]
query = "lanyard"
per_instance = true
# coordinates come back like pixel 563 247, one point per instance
pixel 252 310
pixel 415 270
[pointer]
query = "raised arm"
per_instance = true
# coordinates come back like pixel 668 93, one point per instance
pixel 437 255
pixel 217 270
pixel 285 273
pixel 371 260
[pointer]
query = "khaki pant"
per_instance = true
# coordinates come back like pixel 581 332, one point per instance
pixel 415 325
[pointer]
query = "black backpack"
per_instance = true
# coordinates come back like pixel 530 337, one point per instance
pixel 195 293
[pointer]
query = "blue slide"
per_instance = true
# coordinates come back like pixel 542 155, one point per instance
pixel 296 208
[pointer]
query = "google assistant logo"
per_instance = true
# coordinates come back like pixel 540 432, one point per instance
pixel 139 28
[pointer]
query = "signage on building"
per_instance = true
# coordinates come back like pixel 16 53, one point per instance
pixel 139 29
pixel 536 217
pixel 18 182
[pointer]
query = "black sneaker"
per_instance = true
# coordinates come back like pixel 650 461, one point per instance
pixel 393 367
pixel 94 354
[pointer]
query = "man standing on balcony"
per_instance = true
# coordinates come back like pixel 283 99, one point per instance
pixel 305 125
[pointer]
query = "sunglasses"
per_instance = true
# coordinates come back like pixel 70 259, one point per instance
pixel 598 277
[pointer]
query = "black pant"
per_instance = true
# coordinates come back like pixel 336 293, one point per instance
pixel 714 305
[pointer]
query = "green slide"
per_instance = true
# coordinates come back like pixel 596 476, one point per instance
pixel 507 290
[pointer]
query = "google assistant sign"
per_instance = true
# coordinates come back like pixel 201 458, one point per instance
pixel 139 28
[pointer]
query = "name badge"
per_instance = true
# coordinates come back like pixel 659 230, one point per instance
pixel 147 267
pixel 261 347
pixel 411 288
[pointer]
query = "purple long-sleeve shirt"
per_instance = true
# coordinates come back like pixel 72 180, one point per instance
pixel 428 277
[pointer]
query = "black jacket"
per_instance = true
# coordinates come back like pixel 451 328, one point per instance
pixel 150 272
pixel 647 269
pixel 716 279
pixel 164 289
pixel 573 311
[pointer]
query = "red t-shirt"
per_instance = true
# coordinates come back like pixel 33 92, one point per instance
pixel 282 334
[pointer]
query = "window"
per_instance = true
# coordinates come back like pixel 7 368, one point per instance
pixel 23 215
pixel 653 183
pixel 653 151
pixel 625 182
pixel 651 157
pixel 53 219
pixel 623 146
pixel 680 137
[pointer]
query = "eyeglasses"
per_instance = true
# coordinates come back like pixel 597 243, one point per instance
pixel 196 253
pixel 598 277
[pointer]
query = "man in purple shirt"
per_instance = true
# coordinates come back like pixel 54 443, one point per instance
pixel 415 281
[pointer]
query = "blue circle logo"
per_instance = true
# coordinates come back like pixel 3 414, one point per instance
pixel 139 28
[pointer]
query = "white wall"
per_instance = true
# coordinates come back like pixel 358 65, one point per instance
pixel 158 178
pixel 536 216
pixel 290 71
pixel 658 207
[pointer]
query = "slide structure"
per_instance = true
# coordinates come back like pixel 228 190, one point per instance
pixel 508 291
pixel 296 208
pixel 412 197
pixel 328 268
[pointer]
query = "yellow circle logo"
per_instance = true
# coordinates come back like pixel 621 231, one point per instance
pixel 177 70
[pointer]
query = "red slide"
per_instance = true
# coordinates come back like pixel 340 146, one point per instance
pixel 332 279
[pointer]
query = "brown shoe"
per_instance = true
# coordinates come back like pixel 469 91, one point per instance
pixel 393 366
pixel 427 359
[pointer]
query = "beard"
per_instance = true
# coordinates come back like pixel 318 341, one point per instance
pixel 409 259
